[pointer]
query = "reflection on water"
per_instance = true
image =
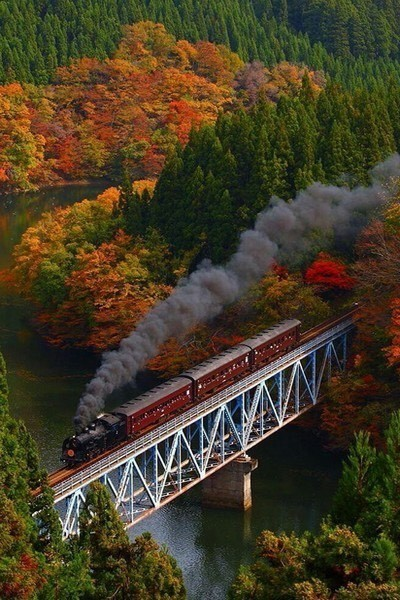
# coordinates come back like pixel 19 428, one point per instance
pixel 292 487
pixel 20 211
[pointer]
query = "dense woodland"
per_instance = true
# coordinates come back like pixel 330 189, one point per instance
pixel 233 135
pixel 86 264
pixel 121 117
pixel 227 174
pixel 199 137
pixel 100 118
pixel 92 283
pixel 353 41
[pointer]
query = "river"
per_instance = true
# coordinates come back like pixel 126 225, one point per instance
pixel 292 488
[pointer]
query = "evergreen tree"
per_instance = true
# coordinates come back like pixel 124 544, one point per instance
pixel 121 569
pixel 35 563
pixel 356 483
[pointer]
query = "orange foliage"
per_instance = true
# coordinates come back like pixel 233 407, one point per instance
pixel 144 184
pixel 21 150
pixel 91 280
pixel 355 403
pixel 277 296
pixel 24 579
pixel 108 292
pixel 177 356
pixel 130 109
pixel 286 78
pixel 256 80
pixel 7 279
pixel 393 352
pixel 378 273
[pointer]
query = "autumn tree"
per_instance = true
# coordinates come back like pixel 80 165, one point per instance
pixel 328 274
pixel 355 554
pixel 21 151
pixel 279 295
pixel 93 281
pixel 378 277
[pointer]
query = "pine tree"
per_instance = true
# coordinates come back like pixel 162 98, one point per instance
pixel 356 483
pixel 120 569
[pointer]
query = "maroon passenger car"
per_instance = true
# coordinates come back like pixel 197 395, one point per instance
pixel 217 373
pixel 154 405
pixel 273 342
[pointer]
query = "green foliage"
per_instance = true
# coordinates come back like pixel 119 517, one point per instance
pixel 119 568
pixel 213 189
pixel 36 564
pixel 23 567
pixel 355 42
pixel 356 552
pixel 357 481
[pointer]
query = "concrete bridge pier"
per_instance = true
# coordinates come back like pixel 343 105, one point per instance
pixel 230 487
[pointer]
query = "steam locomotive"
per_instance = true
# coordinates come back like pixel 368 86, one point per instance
pixel 163 402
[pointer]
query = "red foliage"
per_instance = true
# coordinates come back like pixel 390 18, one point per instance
pixel 280 271
pixel 355 403
pixel 327 273
pixel 177 356
pixel 393 352
pixel 24 578
pixel 7 279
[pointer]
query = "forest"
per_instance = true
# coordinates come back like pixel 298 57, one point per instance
pixel 99 118
pixel 121 117
pixel 240 135
pixel 200 114
pixel 354 555
pixel 352 41
pixel 35 562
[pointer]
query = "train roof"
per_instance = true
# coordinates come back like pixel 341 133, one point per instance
pixel 270 333
pixel 152 396
pixel 215 362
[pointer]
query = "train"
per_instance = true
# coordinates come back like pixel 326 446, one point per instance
pixel 162 403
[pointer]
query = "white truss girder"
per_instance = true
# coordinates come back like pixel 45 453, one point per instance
pixel 151 471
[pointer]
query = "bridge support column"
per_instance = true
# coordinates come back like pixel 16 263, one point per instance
pixel 230 487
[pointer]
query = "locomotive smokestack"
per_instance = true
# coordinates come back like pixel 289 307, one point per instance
pixel 280 232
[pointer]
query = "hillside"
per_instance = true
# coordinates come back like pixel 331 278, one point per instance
pixel 352 40
pixel 113 117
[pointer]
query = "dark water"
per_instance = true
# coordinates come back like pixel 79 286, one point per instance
pixel 292 488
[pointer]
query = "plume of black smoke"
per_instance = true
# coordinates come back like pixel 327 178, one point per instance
pixel 279 232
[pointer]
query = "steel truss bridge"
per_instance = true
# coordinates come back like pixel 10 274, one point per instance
pixel 149 472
